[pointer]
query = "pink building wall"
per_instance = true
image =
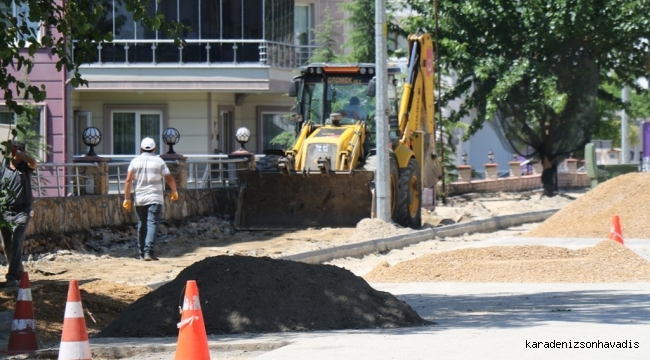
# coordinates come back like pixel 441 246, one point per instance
pixel 45 73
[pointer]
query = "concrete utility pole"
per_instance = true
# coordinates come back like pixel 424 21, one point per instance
pixel 382 182
pixel 625 128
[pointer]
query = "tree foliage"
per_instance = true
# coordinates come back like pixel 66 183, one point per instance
pixel 361 20
pixel 324 38
pixel 608 115
pixel 71 31
pixel 534 68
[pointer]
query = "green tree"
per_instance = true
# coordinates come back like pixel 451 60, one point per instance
pixel 534 68
pixel 361 37
pixel 324 38
pixel 608 119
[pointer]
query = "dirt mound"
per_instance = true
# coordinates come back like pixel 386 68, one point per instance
pixel 258 294
pixel 375 228
pixel 608 261
pixel 591 215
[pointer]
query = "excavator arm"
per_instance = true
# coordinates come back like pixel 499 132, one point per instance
pixel 415 150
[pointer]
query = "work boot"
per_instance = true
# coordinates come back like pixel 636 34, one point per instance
pixel 150 257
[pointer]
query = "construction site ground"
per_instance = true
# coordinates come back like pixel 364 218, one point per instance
pixel 475 317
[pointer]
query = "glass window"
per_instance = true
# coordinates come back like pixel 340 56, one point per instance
pixel 226 131
pixel 35 138
pixel 302 25
pixel 21 13
pixel 276 126
pixel 82 120
pixel 129 127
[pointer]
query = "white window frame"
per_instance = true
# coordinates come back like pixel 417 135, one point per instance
pixel 106 146
pixel 268 110
pixel 138 137
pixel 42 153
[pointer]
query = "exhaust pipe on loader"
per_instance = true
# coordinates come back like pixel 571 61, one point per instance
pixel 276 201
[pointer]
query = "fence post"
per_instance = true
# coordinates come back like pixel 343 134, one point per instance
pixel 95 178
pixel 178 170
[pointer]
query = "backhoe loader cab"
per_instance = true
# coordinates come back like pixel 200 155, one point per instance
pixel 325 89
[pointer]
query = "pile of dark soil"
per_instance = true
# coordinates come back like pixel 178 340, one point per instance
pixel 241 294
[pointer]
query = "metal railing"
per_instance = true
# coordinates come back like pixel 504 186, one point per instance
pixel 65 179
pixel 59 179
pixel 203 51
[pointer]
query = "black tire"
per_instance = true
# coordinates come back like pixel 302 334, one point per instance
pixel 371 165
pixel 409 203
pixel 268 163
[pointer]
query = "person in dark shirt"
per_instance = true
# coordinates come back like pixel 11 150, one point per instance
pixel 16 174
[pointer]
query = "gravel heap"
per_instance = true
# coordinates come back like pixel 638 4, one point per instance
pixel 608 261
pixel 241 294
pixel 591 215
pixel 375 228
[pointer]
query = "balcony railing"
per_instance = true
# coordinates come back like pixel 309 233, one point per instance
pixel 68 179
pixel 206 52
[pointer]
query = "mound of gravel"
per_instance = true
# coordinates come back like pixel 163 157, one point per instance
pixel 241 294
pixel 590 216
pixel 608 261
pixel 375 228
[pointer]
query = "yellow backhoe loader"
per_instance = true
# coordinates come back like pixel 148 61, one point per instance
pixel 327 178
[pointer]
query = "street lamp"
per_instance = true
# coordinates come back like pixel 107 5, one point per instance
pixel 491 156
pixel 91 137
pixel 464 157
pixel 243 135
pixel 171 137
pixel 515 156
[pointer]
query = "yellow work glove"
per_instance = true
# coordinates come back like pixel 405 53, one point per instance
pixel 174 196
pixel 127 205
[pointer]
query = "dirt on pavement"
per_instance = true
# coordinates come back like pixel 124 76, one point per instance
pixel 116 277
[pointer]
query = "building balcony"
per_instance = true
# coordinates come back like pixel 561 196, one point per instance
pixel 238 65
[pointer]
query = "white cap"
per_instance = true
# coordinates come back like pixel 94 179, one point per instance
pixel 148 144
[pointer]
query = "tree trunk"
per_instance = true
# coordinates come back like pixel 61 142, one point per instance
pixel 549 177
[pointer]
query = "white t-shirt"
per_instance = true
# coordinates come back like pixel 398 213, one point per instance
pixel 149 170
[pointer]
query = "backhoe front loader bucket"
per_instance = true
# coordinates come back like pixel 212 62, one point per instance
pixel 276 201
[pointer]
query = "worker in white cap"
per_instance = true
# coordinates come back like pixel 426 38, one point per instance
pixel 148 171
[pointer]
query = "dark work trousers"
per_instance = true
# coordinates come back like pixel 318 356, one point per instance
pixel 148 219
pixel 13 240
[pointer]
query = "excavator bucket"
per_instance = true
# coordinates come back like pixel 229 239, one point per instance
pixel 276 201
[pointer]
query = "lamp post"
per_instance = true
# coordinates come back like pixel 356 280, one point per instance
pixel 243 135
pixel 464 157
pixel 515 156
pixel 491 156
pixel 91 137
pixel 171 137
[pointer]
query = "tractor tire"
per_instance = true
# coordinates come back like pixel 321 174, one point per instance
pixel 371 165
pixel 409 203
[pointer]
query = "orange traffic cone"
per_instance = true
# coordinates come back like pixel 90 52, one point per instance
pixel 615 232
pixel 23 329
pixel 74 340
pixel 192 341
